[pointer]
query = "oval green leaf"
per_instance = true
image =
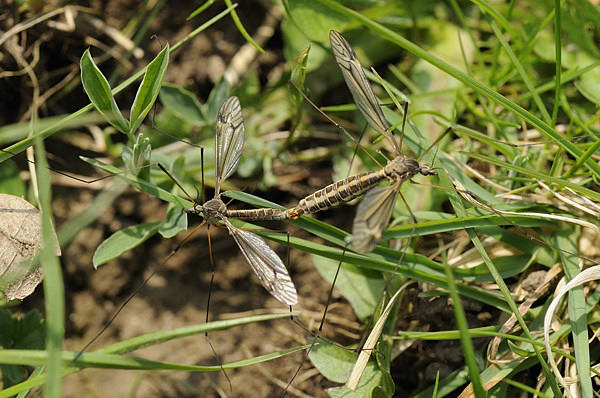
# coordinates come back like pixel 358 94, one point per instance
pixel 182 103
pixel 361 287
pixel 315 20
pixel 98 90
pixel 122 241
pixel 175 223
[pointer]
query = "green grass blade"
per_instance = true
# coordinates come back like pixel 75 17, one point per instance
pixel 238 24
pixel 567 239
pixel 53 281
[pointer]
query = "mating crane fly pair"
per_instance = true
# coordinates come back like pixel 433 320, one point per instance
pixel 373 213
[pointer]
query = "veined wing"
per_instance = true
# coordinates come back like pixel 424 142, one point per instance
pixel 359 86
pixel 266 264
pixel 373 215
pixel 229 140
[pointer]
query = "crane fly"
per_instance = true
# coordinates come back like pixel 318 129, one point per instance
pixel 374 211
pixel 267 266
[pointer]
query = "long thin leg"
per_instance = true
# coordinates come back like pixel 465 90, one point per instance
pixel 320 329
pixel 135 292
pixel 212 278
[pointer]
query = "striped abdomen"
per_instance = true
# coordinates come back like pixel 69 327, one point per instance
pixel 337 193
pixel 258 214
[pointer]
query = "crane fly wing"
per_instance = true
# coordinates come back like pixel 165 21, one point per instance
pixel 373 215
pixel 359 86
pixel 264 262
pixel 267 266
pixel 229 140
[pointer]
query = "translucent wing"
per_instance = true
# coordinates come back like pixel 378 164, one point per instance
pixel 266 265
pixel 373 215
pixel 359 86
pixel 229 140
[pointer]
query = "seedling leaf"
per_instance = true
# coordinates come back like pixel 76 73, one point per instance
pixel 123 241
pixel 98 90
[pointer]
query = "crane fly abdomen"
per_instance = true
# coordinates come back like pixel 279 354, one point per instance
pixel 259 214
pixel 337 193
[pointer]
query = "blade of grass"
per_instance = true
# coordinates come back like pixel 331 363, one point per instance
pixel 541 176
pixel 238 24
pixel 465 336
pixel 567 239
pixel 53 281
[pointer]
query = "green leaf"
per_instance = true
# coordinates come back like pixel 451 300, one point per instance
pixel 26 333
pixel 361 287
pixel 315 20
pixel 182 103
pixel 29 331
pixel 98 90
pixel 123 241
pixel 148 90
pixel 10 181
pixel 294 43
pixel 335 363
pixel 298 76
pixel 589 86
pixel 175 223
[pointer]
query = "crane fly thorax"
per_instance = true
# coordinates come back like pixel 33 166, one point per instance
pixel 212 211
pixel 405 168
pixel 402 167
